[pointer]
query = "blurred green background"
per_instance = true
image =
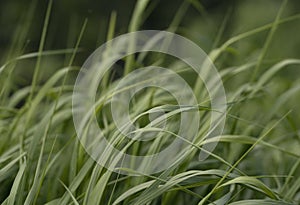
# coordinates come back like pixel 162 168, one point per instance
pixel 21 24
pixel 201 21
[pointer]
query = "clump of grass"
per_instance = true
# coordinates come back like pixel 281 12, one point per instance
pixel 256 161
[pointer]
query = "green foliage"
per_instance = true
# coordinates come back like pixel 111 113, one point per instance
pixel 256 161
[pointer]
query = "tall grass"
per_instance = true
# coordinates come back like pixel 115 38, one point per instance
pixel 256 161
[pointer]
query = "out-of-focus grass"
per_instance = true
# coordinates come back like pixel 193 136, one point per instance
pixel 257 158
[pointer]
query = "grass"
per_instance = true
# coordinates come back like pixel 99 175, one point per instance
pixel 255 162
